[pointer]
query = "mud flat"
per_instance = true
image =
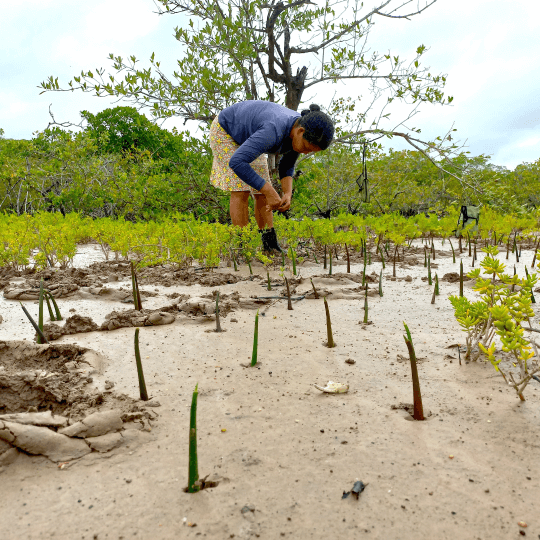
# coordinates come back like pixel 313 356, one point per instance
pixel 282 451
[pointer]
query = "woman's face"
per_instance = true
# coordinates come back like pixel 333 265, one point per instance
pixel 300 144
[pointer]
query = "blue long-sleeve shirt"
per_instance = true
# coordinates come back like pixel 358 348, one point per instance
pixel 259 127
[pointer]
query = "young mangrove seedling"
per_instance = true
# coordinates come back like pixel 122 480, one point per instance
pixel 324 260
pixel 330 343
pixel 140 374
pixel 425 257
pixel 36 327
pixel 382 258
pixel 269 286
pixel 289 303
pixel 394 265
pixel 193 464
pixel 218 322
pixel 49 308
pixel 461 278
pixel 535 253
pixel 255 341
pixel 469 242
pixel 429 271
pixel 293 259
pixel 315 257
pixel 330 268
pixel 40 315
pixel 55 305
pixel 460 245
pixel 366 306
pixel 380 284
pixel 418 413
pixel 134 286
pixel 314 290
pixel 453 252
pixel 436 285
pixel 348 259
pixel 234 262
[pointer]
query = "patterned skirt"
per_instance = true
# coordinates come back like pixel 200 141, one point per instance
pixel 223 147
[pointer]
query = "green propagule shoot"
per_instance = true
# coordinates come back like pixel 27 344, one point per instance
pixel 135 286
pixel 461 278
pixel 289 302
pixel 269 285
pixel 40 337
pixel 330 339
pixel 435 289
pixel 330 268
pixel 430 281
pixel 193 464
pixel 380 284
pixel 366 306
pixel 255 341
pixel 293 259
pixel 453 252
pixel 418 413
pixel 142 384
pixel 314 289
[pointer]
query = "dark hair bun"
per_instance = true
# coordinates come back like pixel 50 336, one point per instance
pixel 312 108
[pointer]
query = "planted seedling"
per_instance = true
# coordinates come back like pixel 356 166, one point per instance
pixel 425 257
pixel 366 306
pixel 289 303
pixel 330 269
pixel 234 262
pixel 49 308
pixel 435 289
pixel 380 284
pixel 417 396
pixel 453 252
pixel 330 343
pixel 55 305
pixel 36 327
pixel 293 259
pixel 40 313
pixel 430 281
pixel 193 465
pixel 218 323
pixel 324 260
pixel 140 374
pixel 348 259
pixel 269 285
pixel 255 341
pixel 461 278
pixel 314 290
pixel 135 286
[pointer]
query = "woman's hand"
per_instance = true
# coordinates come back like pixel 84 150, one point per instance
pixel 272 198
pixel 285 202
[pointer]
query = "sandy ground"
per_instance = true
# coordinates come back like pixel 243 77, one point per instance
pixel 289 451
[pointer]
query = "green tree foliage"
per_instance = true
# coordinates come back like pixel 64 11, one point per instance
pixel 132 174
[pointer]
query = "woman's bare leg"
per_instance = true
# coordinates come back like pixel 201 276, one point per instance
pixel 239 208
pixel 263 216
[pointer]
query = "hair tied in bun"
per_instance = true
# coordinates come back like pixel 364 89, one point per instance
pixel 312 108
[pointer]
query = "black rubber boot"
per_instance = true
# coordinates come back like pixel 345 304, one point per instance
pixel 270 241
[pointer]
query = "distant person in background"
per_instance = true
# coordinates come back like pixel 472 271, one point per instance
pixel 241 136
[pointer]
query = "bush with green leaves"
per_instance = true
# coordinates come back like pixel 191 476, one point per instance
pixel 505 303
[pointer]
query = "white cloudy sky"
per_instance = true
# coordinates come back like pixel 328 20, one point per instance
pixel 490 50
